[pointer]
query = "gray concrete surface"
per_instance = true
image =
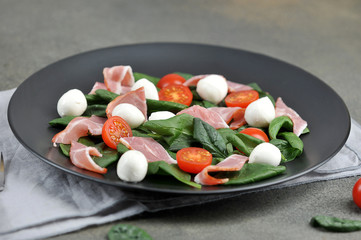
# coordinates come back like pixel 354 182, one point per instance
pixel 322 37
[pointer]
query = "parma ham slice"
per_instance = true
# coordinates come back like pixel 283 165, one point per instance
pixel 238 119
pixel 208 116
pixel 283 110
pixel 80 127
pixel 118 79
pixel 152 150
pixel 194 80
pixel 136 98
pixel 226 113
pixel 98 85
pixel 80 156
pixel 234 162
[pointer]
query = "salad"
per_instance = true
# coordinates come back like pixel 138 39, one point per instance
pixel 198 129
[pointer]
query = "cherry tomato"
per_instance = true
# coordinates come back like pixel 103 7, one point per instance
pixel 114 129
pixel 170 79
pixel 255 132
pixel 176 93
pixel 193 159
pixel 356 193
pixel 241 98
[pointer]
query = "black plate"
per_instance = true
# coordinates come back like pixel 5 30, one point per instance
pixel 33 104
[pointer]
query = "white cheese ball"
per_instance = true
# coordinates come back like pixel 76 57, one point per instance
pixel 151 91
pixel 260 112
pixel 161 115
pixel 266 153
pixel 72 103
pixel 132 166
pixel 212 88
pixel 130 113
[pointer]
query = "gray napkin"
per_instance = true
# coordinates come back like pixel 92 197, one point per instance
pixel 40 201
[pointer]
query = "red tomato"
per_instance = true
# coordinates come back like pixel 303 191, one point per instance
pixel 170 79
pixel 193 159
pixel 176 93
pixel 255 132
pixel 356 193
pixel 114 129
pixel 241 98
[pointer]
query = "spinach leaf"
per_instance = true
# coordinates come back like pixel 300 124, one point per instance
pixel 230 137
pixel 61 122
pixel 249 141
pixel 96 109
pixel 105 95
pixel 155 106
pixel 163 168
pixel 289 144
pixel 261 93
pixel 138 76
pixel 278 123
pixel 254 172
pixel 185 75
pixel 94 99
pixel 65 149
pixel 108 157
pixel 209 138
pixel 336 224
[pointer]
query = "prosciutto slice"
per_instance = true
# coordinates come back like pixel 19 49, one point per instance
pixel 208 116
pixel 234 162
pixel 98 85
pixel 238 119
pixel 283 110
pixel 80 127
pixel 80 156
pixel 152 150
pixel 226 113
pixel 118 79
pixel 194 80
pixel 136 98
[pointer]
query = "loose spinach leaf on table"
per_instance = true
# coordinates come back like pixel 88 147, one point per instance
pixel 163 168
pixel 335 224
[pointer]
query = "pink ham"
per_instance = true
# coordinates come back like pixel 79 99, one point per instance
pixel 118 79
pixel 238 119
pixel 208 116
pixel 80 127
pixel 234 162
pixel 136 98
pixel 283 110
pixel 80 156
pixel 194 80
pixel 98 85
pixel 226 113
pixel 236 87
pixel 151 149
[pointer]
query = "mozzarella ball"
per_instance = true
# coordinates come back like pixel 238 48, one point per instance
pixel 149 88
pixel 161 115
pixel 72 103
pixel 266 153
pixel 260 112
pixel 130 113
pixel 132 166
pixel 212 88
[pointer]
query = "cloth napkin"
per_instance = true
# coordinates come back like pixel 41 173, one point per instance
pixel 40 200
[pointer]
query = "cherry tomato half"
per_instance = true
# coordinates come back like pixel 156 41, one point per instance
pixel 356 193
pixel 255 132
pixel 170 79
pixel 176 93
pixel 193 159
pixel 114 129
pixel 241 98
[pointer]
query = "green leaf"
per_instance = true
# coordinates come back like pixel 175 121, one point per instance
pixel 209 138
pixel 109 155
pixel 126 231
pixel 336 224
pixel 185 75
pixel 288 152
pixel 249 141
pixel 254 172
pixel 138 76
pixel 105 95
pixel 261 93
pixel 155 106
pixel 65 149
pixel 239 144
pixel 61 122
pixel 96 109
pixel 163 168
pixel 278 123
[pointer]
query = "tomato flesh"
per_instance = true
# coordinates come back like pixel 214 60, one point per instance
pixel 193 159
pixel 114 129
pixel 255 132
pixel 356 193
pixel 176 93
pixel 241 98
pixel 170 79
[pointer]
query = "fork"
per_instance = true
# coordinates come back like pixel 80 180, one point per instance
pixel 2 172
